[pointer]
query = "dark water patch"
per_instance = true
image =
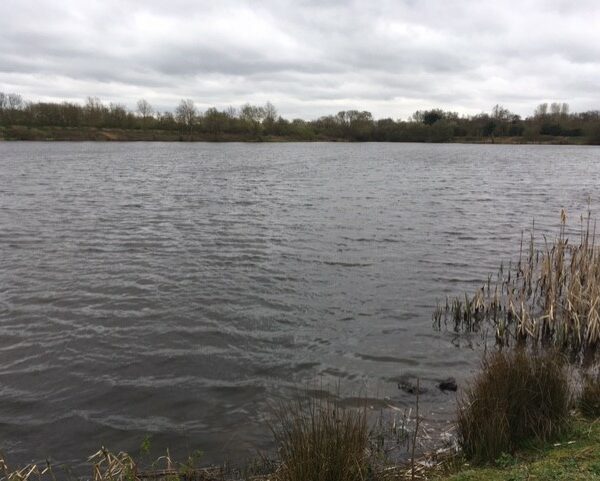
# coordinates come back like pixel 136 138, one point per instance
pixel 392 359
pixel 346 264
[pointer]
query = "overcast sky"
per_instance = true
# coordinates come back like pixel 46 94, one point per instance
pixel 308 57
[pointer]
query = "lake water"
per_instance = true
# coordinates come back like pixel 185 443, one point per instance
pixel 179 290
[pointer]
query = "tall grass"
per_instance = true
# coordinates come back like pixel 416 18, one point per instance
pixel 319 441
pixel 517 396
pixel 551 297
pixel 589 399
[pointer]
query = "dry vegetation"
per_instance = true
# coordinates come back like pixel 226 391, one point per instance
pixel 550 298
pixel 321 442
pixel 109 466
pixel 542 312
pixel 589 399
pixel 517 397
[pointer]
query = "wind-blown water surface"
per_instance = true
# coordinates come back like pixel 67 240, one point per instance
pixel 178 289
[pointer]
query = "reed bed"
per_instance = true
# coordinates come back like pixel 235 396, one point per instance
pixel 550 297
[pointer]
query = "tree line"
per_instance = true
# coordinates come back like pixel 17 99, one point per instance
pixel 262 122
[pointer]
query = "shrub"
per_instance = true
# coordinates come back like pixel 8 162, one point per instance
pixel 589 401
pixel 518 396
pixel 319 441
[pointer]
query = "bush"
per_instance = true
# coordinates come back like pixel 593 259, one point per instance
pixel 589 402
pixel 594 134
pixel 322 442
pixel 518 396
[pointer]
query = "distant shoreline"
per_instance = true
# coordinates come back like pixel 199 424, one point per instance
pixel 63 134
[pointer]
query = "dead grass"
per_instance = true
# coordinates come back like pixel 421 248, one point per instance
pixel 110 466
pixel 551 297
pixel 589 399
pixel 517 397
pixel 320 441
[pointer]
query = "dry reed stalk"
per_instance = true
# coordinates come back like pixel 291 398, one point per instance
pixel 550 298
pixel 108 466
pixel 415 435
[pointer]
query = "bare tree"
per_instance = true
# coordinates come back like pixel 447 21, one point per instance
pixel 541 110
pixel 145 110
pixel 14 101
pixel 118 114
pixel 269 117
pixel 166 120
pixel 252 116
pixel 94 111
pixel 186 113
pixel 9 104
pixel 252 113
pixel 270 112
pixel 418 116
pixel 555 109
pixel 215 122
pixel 559 110
pixel 501 113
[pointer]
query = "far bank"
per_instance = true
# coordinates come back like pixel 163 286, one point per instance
pixel 25 133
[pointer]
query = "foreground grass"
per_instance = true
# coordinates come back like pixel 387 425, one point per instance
pixel 518 396
pixel 575 458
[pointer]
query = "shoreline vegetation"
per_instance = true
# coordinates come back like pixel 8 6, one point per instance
pixel 98 134
pixel 532 411
pixel 95 120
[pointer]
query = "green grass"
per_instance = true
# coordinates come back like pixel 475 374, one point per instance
pixel 576 457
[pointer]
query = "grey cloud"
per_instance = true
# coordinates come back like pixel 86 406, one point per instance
pixel 309 56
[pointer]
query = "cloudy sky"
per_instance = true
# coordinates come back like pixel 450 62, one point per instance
pixel 308 57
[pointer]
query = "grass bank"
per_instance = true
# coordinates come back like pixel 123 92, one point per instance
pixel 15 133
pixel 575 457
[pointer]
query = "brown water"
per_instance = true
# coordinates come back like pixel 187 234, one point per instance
pixel 177 290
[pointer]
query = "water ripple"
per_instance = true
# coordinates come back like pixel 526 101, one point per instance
pixel 182 289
